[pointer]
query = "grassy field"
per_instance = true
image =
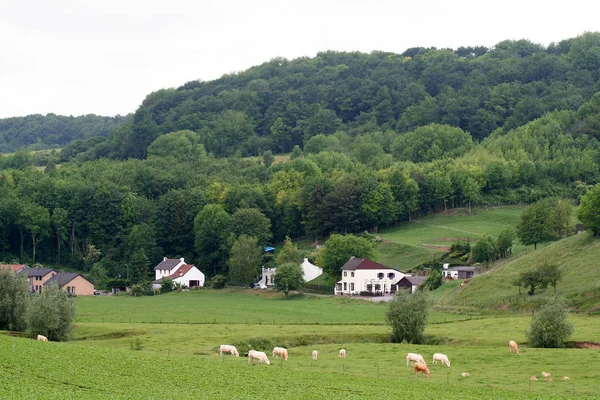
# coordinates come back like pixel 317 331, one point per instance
pixel 578 258
pixel 406 246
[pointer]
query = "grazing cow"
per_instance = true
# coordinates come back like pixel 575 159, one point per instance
pixel 315 355
pixel 465 375
pixel 414 357
pixel 546 374
pixel 512 346
pixel 441 358
pixel 258 355
pixel 342 353
pixel 227 348
pixel 548 379
pixel 533 378
pixel 280 351
pixel 423 369
pixel 42 338
pixel 565 378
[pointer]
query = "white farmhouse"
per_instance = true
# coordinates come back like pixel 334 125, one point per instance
pixel 309 272
pixel 363 275
pixel 179 272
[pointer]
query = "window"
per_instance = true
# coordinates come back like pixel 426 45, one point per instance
pixel 345 273
pixel 369 287
pixel 391 275
pixel 380 275
pixel 378 288
pixel 345 286
pixel 72 289
pixel 352 286
pixel 69 289
pixel 352 274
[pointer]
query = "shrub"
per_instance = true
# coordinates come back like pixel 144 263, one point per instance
pixel 166 286
pixel 51 314
pixel 14 299
pixel 550 327
pixel 407 315
pixel 218 282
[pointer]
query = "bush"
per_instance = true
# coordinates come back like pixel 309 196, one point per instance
pixel 166 286
pixel 14 299
pixel 218 282
pixel 407 315
pixel 550 327
pixel 51 314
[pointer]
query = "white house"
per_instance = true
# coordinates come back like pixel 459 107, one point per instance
pixel 363 275
pixel 309 272
pixel 179 272
pixel 458 272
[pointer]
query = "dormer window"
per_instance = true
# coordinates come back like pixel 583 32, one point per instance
pixel 391 275
pixel 352 274
pixel 345 273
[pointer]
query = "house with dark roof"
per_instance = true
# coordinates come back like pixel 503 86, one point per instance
pixel 72 282
pixel 175 269
pixel 361 275
pixel 410 283
pixel 37 277
pixel 459 272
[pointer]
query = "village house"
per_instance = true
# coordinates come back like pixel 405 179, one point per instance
pixel 361 275
pixel 72 282
pixel 458 272
pixel 309 272
pixel 182 274
pixel 410 283
pixel 14 267
pixel 37 277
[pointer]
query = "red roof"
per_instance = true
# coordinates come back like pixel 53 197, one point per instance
pixel 181 271
pixel 13 267
pixel 363 263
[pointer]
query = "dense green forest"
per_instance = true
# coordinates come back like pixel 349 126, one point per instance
pixel 374 139
pixel 38 132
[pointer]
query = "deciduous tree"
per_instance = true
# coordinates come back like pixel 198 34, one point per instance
pixel 245 260
pixel 288 277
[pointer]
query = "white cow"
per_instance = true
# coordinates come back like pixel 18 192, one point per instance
pixel 280 351
pixel 227 348
pixel 512 346
pixel 258 355
pixel 315 354
pixel 441 358
pixel 42 338
pixel 415 358
pixel 342 353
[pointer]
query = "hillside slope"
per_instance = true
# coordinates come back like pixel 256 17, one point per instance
pixel 578 259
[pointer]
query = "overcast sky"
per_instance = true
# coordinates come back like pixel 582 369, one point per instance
pixel 74 57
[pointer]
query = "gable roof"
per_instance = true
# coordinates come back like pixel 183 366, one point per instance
pixel 62 278
pixel 168 263
pixel 14 267
pixel 462 269
pixel 36 271
pixel 363 263
pixel 181 271
pixel 412 280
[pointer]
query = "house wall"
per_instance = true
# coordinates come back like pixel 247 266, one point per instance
pixel 38 285
pixel 310 271
pixel 194 274
pixel 267 276
pixel 166 272
pixel 363 277
pixel 83 287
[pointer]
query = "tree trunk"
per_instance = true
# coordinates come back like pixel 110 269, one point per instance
pixel 33 242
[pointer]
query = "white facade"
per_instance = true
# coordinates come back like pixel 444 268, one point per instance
pixel 310 271
pixel 168 271
pixel 193 276
pixel 267 276
pixel 179 272
pixel 367 280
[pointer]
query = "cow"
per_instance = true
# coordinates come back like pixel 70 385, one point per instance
pixel 315 355
pixel 565 378
pixel 423 369
pixel 414 357
pixel 42 338
pixel 546 374
pixel 512 346
pixel 533 378
pixel 342 353
pixel 227 348
pixel 465 375
pixel 441 358
pixel 280 351
pixel 258 355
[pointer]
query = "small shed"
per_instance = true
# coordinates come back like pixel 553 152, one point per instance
pixel 410 283
pixel 458 272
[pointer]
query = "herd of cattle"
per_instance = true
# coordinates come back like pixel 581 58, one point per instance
pixel 416 360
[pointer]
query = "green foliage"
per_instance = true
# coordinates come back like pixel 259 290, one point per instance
pixel 434 280
pixel 549 326
pixel 251 222
pixel 338 249
pixel 485 249
pixel 550 273
pixel 531 279
pixel 218 281
pixel 14 300
pixel 289 253
pixel 460 248
pixel 589 210
pixel 245 259
pixel 432 142
pixel 407 316
pixel 268 158
pixel 288 277
pixel 166 286
pixel 51 314
pixel 136 344
pixel 535 225
pixel 505 240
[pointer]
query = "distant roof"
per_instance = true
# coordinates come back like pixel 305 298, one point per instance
pixel 269 248
pixel 36 271
pixel 13 267
pixel 412 280
pixel 62 278
pixel 168 264
pixel 462 269
pixel 363 263
pixel 181 271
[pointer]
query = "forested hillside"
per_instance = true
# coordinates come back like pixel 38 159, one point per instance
pixel 375 139
pixel 37 132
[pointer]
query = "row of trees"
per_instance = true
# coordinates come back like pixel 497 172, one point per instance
pixel 49 313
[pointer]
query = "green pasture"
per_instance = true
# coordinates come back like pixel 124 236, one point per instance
pixel 578 258
pixel 412 243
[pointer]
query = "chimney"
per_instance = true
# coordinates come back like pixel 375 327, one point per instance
pixel 446 266
pixel 182 260
pixel 305 260
pixel 164 258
